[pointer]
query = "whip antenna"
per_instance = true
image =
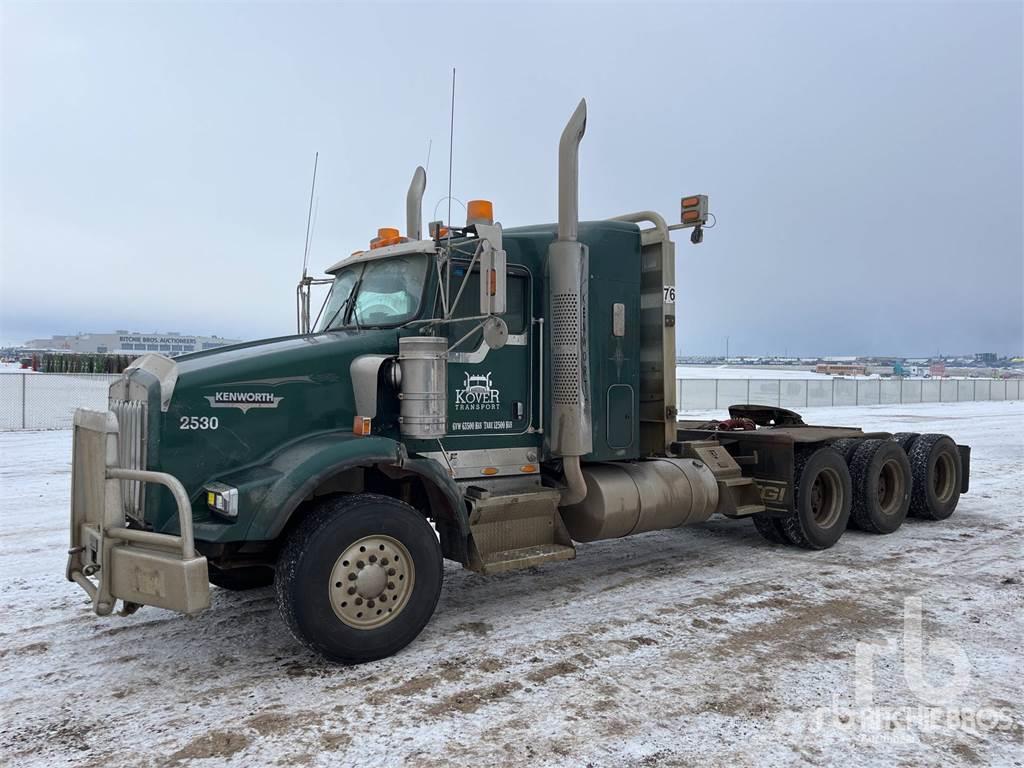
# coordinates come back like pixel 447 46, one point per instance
pixel 451 147
pixel 309 217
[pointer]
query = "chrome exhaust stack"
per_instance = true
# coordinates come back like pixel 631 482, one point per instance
pixel 567 271
pixel 414 205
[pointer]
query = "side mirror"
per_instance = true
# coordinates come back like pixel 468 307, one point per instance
pixel 495 332
pixel 493 279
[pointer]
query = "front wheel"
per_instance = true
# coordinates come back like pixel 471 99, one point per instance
pixel 359 577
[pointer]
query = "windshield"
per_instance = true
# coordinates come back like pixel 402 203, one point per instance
pixel 386 292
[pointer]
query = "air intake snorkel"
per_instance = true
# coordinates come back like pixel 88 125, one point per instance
pixel 414 205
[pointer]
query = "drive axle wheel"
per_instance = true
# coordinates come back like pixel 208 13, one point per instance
pixel 822 495
pixel 770 528
pixel 359 577
pixel 847 446
pixel 938 473
pixel 905 439
pixel 880 472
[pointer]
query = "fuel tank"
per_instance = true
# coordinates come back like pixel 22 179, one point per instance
pixel 624 498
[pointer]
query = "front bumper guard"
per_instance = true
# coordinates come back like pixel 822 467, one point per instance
pixel 111 561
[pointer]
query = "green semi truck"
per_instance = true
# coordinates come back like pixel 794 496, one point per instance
pixel 484 395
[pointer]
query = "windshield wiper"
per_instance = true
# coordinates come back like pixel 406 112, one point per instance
pixel 355 317
pixel 341 307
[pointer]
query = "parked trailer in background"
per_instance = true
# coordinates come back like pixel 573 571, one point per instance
pixel 486 395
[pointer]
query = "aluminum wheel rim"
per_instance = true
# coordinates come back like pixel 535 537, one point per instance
pixel 890 487
pixel 371 582
pixel 944 478
pixel 826 498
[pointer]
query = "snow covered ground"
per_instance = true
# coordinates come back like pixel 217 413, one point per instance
pixel 702 645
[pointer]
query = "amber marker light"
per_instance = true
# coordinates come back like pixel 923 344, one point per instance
pixel 386 236
pixel 479 212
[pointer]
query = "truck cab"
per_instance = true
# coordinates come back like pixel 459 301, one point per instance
pixel 484 395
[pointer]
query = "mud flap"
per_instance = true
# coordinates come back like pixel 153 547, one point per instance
pixel 965 467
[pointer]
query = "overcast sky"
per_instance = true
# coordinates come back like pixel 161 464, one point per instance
pixel 864 161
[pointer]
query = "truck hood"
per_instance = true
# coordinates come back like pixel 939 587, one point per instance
pixel 238 406
pixel 281 356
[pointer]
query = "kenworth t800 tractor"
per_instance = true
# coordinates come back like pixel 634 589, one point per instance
pixel 484 395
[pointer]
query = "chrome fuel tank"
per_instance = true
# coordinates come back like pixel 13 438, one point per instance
pixel 634 497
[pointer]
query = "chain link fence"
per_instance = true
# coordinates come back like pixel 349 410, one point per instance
pixel 49 400
pixel 707 394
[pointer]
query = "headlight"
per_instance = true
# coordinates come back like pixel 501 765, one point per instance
pixel 222 499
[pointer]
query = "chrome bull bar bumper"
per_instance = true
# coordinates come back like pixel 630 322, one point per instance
pixel 111 561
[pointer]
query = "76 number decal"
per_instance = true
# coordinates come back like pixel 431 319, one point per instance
pixel 199 422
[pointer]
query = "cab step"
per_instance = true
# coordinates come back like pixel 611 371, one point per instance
pixel 516 530
pixel 526 557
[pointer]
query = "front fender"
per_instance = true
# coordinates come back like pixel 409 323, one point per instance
pixel 304 465
pixel 294 473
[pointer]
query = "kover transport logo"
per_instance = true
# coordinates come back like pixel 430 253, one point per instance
pixel 478 393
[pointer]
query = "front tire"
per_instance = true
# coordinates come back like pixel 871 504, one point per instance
pixel 359 577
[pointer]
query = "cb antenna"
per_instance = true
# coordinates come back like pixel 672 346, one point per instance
pixel 309 217
pixel 451 147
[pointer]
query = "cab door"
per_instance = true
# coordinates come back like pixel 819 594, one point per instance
pixel 490 390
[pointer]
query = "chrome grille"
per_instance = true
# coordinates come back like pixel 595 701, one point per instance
pixel 131 450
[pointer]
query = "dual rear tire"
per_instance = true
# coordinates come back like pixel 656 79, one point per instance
pixel 879 482
pixel 882 482
pixel 938 476
pixel 822 499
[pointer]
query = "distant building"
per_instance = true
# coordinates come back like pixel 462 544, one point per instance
pixel 986 358
pixel 130 343
pixel 841 369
